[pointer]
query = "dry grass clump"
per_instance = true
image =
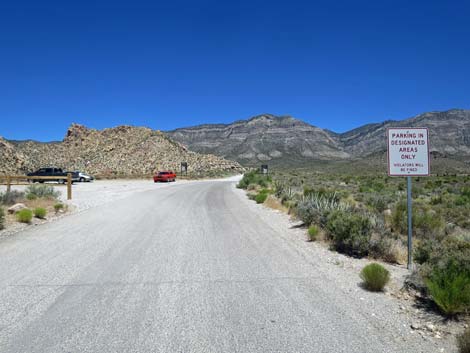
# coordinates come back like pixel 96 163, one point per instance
pixel 275 204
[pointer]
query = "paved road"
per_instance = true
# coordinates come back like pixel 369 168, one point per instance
pixel 186 268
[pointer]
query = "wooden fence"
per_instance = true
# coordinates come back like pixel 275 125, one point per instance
pixel 10 180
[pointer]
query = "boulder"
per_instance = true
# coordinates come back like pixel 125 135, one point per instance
pixel 16 207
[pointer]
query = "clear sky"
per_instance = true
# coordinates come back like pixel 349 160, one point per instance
pixel 167 64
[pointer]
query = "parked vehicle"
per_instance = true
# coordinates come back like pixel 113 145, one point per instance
pixel 167 176
pixel 84 177
pixel 52 172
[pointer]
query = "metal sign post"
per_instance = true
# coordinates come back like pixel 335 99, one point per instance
pixel 410 222
pixel 408 155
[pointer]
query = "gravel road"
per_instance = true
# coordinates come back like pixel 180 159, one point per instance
pixel 192 267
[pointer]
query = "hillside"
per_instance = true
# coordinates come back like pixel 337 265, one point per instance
pixel 262 138
pixel 11 160
pixel 119 151
pixel 449 134
pixel 288 141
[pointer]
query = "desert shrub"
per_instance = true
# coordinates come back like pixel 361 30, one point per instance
pixel 40 212
pixel 426 222
pixel 375 277
pixel 436 200
pixel 449 287
pixel 2 218
pixel 261 196
pixel 322 192
pixel 31 197
pixel 315 207
pixel 377 202
pixel 284 192
pixel 312 232
pixel 423 250
pixel 444 253
pixel 350 232
pixel 46 191
pixel 24 216
pixel 58 206
pixel 253 177
pixel 463 341
pixel 12 197
pixel 387 246
pixel 445 268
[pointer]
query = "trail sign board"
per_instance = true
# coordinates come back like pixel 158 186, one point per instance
pixel 408 151
pixel 184 167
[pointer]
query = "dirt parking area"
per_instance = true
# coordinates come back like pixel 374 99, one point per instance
pixel 99 192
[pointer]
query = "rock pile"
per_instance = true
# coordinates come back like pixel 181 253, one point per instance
pixel 11 160
pixel 114 152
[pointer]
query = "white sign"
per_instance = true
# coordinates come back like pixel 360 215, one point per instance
pixel 408 151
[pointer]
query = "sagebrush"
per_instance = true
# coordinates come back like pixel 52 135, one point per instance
pixel 375 277
pixel 350 232
pixel 11 197
pixel 38 191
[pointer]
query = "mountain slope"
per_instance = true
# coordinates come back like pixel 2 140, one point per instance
pixel 262 138
pixel 449 133
pixel 120 151
pixel 289 141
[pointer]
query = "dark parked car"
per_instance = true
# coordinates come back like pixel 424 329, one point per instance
pixel 52 172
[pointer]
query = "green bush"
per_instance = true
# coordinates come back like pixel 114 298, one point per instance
pixel 58 207
pixel 253 177
pixel 2 218
pixel 463 341
pixel 446 252
pixel 449 287
pixel 312 232
pixel 31 197
pixel 426 222
pixel 40 212
pixel 375 277
pixel 38 191
pixel 24 216
pixel 350 232
pixel 261 197
pixel 12 197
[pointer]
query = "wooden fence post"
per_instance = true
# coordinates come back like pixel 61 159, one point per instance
pixel 8 183
pixel 69 186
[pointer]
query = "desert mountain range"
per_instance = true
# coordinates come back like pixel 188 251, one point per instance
pixel 212 148
pixel 267 138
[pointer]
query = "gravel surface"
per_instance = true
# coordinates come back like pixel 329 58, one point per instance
pixel 189 267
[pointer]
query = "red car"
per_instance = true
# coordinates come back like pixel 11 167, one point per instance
pixel 164 176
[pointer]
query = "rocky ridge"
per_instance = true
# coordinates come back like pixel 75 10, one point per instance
pixel 286 140
pixel 113 152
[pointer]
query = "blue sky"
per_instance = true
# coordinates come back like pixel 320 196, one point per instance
pixel 168 64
